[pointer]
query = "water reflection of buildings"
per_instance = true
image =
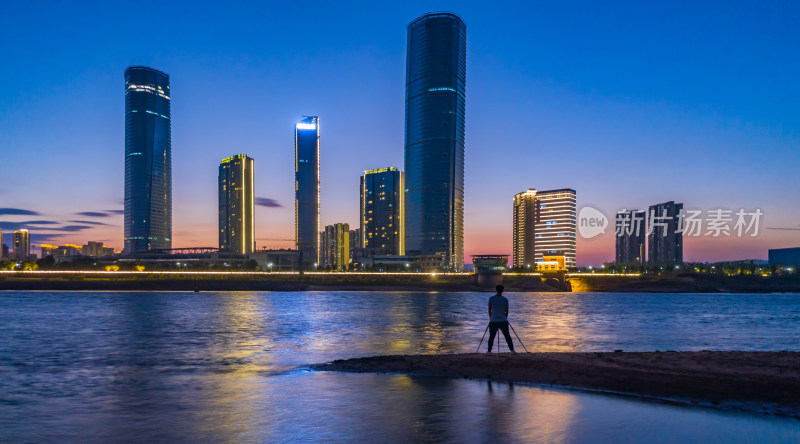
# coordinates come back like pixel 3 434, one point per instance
pixel 233 394
pixel 551 323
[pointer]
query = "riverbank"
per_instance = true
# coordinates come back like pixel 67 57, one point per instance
pixel 763 382
pixel 452 282
pixel 156 281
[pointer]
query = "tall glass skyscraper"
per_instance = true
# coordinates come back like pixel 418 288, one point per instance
pixel 148 160
pixel 306 185
pixel 236 205
pixel 434 140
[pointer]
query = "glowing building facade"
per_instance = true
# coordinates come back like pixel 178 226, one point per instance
pixel 335 247
pixel 434 137
pixel 236 205
pixel 544 225
pixel 382 212
pixel 306 186
pixel 148 161
pixel 22 245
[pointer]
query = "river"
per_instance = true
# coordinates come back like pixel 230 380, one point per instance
pixel 233 367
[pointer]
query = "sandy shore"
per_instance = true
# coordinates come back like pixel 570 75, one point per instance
pixel 765 382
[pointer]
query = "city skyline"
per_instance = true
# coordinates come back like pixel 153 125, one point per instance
pixel 712 127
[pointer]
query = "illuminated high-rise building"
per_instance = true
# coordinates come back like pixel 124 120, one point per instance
pixel 22 244
pixel 434 137
pixel 335 246
pixel 544 225
pixel 524 216
pixel 382 211
pixel 236 205
pixel 630 236
pixel 148 161
pixel 306 185
pixel 664 242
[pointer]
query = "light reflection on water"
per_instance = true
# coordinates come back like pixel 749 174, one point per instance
pixel 227 367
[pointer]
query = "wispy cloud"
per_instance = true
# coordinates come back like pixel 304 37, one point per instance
pixel 44 238
pixel 25 224
pixel 92 214
pixel 34 225
pixel 87 222
pixel 17 212
pixel 115 211
pixel 71 228
pixel 267 202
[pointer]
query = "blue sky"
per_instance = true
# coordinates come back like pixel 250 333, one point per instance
pixel 628 103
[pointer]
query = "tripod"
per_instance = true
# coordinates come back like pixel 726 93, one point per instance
pixel 498 339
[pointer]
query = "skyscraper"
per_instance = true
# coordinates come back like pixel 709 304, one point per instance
pixel 22 244
pixel 544 225
pixel 524 217
pixel 434 137
pixel 630 236
pixel 664 241
pixel 148 160
pixel 236 205
pixel 306 185
pixel 382 211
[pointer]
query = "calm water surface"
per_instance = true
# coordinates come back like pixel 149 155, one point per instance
pixel 232 367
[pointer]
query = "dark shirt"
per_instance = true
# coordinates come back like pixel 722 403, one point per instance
pixel 499 306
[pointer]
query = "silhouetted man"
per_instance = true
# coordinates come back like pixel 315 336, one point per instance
pixel 498 318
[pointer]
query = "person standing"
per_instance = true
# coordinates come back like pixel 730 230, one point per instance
pixel 498 319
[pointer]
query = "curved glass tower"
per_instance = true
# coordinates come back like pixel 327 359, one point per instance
pixel 306 185
pixel 148 161
pixel 434 140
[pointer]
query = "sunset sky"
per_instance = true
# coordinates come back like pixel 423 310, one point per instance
pixel 630 104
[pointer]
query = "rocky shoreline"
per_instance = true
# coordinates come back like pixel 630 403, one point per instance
pixel 762 382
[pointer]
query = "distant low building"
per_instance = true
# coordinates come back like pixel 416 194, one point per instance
pixel 784 256
pixel 96 249
pixel 62 253
pixel 276 260
pixel 551 263
pixel 386 260
pixel 430 262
